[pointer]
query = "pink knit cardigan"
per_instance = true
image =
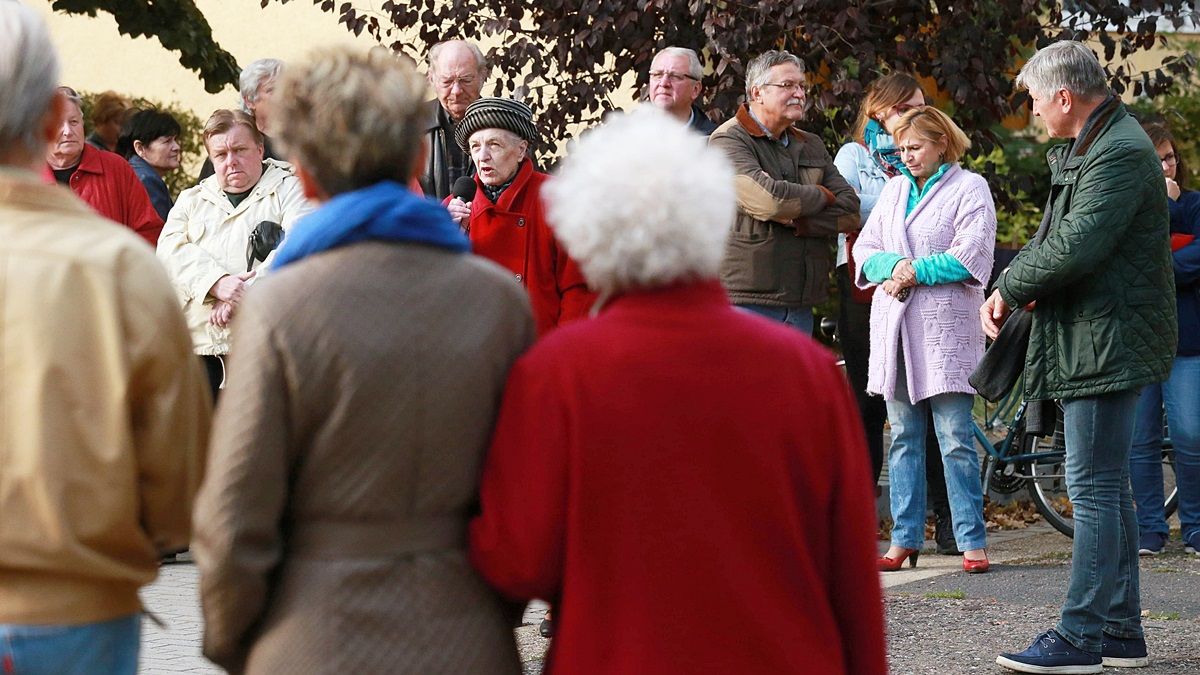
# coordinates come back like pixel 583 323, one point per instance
pixel 937 329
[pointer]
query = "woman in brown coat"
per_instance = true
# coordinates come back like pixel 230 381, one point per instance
pixel 345 458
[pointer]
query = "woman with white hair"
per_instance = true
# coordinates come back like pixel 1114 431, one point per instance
pixel 641 456
pixel 331 528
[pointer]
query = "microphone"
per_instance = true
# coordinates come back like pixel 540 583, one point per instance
pixel 464 188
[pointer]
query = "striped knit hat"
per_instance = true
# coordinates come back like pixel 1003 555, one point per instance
pixel 495 113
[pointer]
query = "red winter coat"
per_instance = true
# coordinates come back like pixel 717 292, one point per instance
pixel 689 485
pixel 108 184
pixel 514 234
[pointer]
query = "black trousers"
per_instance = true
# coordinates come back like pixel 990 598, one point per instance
pixel 215 369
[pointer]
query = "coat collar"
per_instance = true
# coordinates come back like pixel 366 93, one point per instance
pixel 524 173
pixel 1072 154
pixel 657 301
pixel 752 127
pixel 91 161
pixel 25 189
pixel 949 176
pixel 274 173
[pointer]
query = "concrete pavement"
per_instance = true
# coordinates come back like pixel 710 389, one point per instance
pixel 940 620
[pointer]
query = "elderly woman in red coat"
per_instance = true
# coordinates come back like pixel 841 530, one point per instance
pixel 672 467
pixel 505 221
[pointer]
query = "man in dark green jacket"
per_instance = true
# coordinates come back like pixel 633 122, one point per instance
pixel 1098 278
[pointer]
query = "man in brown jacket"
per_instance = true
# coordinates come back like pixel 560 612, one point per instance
pixel 103 412
pixel 792 200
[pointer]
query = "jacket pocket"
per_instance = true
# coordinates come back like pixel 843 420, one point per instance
pixel 1089 343
pixel 749 264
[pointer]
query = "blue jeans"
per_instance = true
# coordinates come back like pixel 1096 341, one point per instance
pixel 1181 395
pixel 1103 595
pixel 109 647
pixel 800 318
pixel 906 467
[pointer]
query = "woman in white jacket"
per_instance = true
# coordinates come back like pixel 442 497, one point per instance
pixel 205 244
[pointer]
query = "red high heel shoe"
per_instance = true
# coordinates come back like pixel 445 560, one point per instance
pixel 976 566
pixel 887 564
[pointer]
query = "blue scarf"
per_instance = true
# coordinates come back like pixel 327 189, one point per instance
pixel 386 211
pixel 882 147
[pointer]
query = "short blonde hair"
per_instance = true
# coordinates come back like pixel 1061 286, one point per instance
pixel 933 125
pixel 223 120
pixel 642 202
pixel 351 119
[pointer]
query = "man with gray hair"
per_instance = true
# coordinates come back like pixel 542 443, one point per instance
pixel 256 88
pixel 792 200
pixel 675 85
pixel 1097 278
pixel 457 71
pixel 105 416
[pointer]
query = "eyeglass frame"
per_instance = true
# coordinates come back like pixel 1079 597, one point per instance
pixel 672 76
pixel 1172 159
pixel 795 86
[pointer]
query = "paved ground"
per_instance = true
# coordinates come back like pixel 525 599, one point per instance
pixel 939 619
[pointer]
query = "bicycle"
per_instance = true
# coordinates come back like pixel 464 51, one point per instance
pixel 1036 463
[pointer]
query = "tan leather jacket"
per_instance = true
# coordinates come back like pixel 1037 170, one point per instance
pixel 103 411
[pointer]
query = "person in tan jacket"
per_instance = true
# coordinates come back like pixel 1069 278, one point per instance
pixel 364 377
pixel 103 409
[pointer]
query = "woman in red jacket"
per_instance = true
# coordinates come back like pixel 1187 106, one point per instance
pixel 673 467
pixel 505 221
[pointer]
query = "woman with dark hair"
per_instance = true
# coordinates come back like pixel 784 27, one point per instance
pixel 150 141
pixel 1180 394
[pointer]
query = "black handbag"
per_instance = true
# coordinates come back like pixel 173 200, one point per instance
pixel 1004 361
pixel 264 238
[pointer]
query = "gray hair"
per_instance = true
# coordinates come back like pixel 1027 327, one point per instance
pixel 28 76
pixel 436 51
pixel 253 76
pixel 1064 65
pixel 642 202
pixel 351 119
pixel 694 67
pixel 756 72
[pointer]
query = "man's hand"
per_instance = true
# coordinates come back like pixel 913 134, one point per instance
pixel 222 314
pixel 460 212
pixel 993 314
pixel 1172 189
pixel 904 273
pixel 231 287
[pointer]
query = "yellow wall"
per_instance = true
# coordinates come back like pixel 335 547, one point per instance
pixel 95 57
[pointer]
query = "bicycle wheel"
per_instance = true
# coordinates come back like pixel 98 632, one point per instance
pixel 1047 482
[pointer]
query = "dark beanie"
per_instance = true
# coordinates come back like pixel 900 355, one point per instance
pixel 495 113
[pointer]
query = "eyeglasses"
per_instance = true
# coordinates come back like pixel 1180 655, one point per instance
pixel 673 78
pixel 462 82
pixel 786 86
pixel 1169 159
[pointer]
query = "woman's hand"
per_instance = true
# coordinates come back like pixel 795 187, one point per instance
pixel 892 288
pixel 904 274
pixel 460 212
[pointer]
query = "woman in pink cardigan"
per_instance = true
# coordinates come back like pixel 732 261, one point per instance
pixel 928 247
